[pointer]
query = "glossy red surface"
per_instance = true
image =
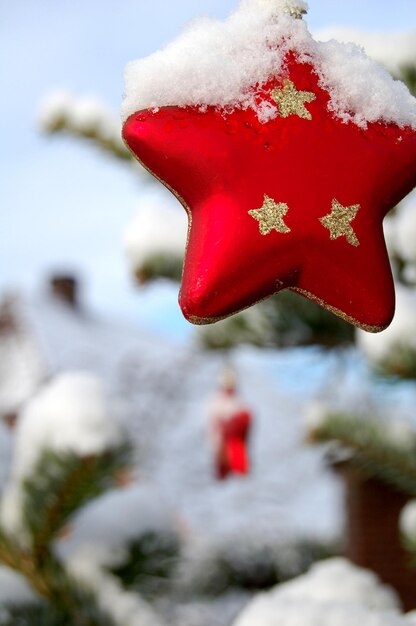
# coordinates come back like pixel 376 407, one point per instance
pixel 221 166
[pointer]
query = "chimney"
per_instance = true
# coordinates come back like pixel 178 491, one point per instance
pixel 65 288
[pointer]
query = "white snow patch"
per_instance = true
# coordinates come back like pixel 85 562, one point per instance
pixel 315 415
pixel 21 367
pixel 83 114
pixel 123 606
pixel 159 227
pixel 223 406
pixel 408 520
pixel 332 593
pixel 395 50
pixel 400 334
pixel 299 612
pixel 108 524
pixel 221 63
pixel 400 433
pixel 338 580
pixel 13 588
pixel 68 414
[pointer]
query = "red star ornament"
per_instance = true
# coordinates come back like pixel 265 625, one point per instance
pixel 295 203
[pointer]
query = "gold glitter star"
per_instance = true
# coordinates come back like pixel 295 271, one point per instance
pixel 338 222
pixel 291 101
pixel 270 216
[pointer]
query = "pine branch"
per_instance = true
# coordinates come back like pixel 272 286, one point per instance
pixel 160 266
pixel 60 485
pixel 373 452
pixel 298 321
pixel 111 144
pixel 39 614
pixel 407 74
pixel 400 362
pixel 11 554
pixel 284 320
pixel 72 600
pixel 67 599
pixel 150 563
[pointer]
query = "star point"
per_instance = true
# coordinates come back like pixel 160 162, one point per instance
pixel 291 101
pixel 219 165
pixel 338 222
pixel 270 216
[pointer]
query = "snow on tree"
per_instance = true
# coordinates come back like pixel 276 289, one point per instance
pixel 68 452
pixel 332 593
pixel 21 367
pixel 396 51
pixel 155 239
pixel 83 117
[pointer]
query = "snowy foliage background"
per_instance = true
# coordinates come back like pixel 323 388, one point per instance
pixel 66 206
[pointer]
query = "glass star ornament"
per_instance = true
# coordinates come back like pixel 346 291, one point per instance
pixel 286 165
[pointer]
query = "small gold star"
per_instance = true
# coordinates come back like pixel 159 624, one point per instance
pixel 270 216
pixel 291 101
pixel 338 222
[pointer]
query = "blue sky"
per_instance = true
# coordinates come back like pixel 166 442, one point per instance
pixel 63 204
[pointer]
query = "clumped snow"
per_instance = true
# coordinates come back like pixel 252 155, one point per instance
pixel 408 520
pixel 69 414
pixel 315 415
pixel 400 433
pixel 338 580
pixel 108 524
pixel 395 50
pixel 125 607
pixel 158 228
pixel 85 115
pixel 332 593
pixel 14 588
pixel 301 612
pixel 250 47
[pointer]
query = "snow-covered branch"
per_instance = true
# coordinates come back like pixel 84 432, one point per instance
pixel 84 117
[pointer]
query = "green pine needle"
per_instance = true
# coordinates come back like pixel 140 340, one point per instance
pixel 62 483
pixel 373 452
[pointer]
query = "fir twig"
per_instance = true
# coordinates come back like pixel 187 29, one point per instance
pixel 60 485
pixel 68 601
pixel 150 563
pixel 110 144
pixel 373 453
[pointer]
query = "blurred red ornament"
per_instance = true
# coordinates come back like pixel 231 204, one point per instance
pixel 234 435
pixel 296 202
pixel 229 430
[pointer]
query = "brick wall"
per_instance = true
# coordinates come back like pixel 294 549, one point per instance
pixel 372 532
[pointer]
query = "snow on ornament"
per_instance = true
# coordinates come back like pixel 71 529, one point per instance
pixel 287 153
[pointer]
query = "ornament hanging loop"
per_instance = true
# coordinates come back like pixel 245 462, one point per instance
pixel 296 10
